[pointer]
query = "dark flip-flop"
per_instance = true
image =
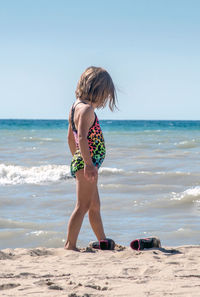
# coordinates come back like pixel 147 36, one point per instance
pixel 145 243
pixel 106 244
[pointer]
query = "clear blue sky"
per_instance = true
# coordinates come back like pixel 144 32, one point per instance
pixel 151 49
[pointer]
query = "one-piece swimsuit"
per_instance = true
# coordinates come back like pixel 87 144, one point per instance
pixel 96 144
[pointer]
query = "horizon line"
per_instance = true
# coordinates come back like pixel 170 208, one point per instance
pixel 54 119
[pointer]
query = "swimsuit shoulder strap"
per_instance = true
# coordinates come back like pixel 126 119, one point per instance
pixel 72 115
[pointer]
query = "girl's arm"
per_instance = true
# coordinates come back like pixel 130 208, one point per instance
pixel 84 124
pixel 71 140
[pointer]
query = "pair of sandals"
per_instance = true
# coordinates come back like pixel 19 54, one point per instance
pixel 137 244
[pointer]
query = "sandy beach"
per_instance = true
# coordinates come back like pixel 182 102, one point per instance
pixel 123 272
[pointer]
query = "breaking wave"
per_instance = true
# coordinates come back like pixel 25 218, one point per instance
pixel 187 144
pixel 187 196
pixel 13 175
pixel 108 171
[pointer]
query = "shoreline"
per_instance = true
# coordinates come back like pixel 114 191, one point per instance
pixel 166 271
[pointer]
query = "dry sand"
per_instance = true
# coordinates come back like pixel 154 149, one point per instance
pixel 123 272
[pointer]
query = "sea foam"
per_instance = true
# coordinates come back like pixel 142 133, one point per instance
pixel 12 174
pixel 108 171
pixel 187 196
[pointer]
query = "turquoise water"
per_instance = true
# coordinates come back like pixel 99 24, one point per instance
pixel 108 125
pixel 149 182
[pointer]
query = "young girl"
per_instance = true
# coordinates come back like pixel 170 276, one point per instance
pixel 94 90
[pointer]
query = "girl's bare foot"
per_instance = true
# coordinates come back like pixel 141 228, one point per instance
pixel 70 247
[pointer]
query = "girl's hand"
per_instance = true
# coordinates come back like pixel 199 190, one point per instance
pixel 90 172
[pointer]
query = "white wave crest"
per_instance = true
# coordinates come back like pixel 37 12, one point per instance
pixel 108 171
pixel 187 196
pixel 12 175
pixel 167 173
pixel 39 139
pixel 187 144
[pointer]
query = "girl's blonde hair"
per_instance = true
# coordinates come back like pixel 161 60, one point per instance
pixel 96 85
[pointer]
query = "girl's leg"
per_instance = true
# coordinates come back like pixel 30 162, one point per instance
pixel 95 216
pixel 85 193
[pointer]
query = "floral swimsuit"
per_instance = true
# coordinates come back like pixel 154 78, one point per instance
pixel 95 141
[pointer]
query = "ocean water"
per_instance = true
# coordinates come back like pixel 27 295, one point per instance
pixel 149 183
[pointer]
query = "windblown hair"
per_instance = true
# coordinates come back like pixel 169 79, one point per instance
pixel 96 85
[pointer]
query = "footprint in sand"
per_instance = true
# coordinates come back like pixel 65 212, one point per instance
pixel 39 252
pixel 5 256
pixel 8 286
pixel 173 263
pixel 26 274
pixel 150 271
pixel 9 275
pixel 44 283
pixel 47 282
pixel 55 287
pixel 130 270
pixel 96 287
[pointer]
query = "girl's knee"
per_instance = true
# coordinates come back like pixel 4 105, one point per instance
pixel 95 206
pixel 82 208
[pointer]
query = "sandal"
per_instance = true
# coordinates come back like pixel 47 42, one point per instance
pixel 105 244
pixel 145 243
